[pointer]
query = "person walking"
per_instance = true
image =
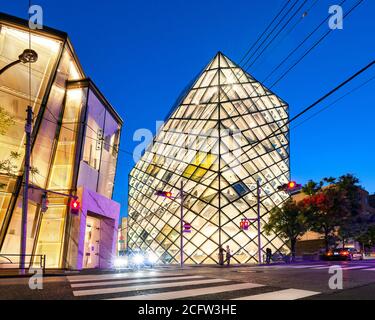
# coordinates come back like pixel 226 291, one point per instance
pixel 228 256
pixel 268 255
pixel 221 256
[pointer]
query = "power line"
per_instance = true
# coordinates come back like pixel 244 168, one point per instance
pixel 278 33
pixel 270 33
pixel 299 46
pixel 313 47
pixel 264 32
pixel 291 29
pixel 353 8
pixel 334 102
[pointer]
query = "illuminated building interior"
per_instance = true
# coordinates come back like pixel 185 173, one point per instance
pixel 225 132
pixel 74 143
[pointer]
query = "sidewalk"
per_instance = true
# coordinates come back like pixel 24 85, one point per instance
pixel 15 273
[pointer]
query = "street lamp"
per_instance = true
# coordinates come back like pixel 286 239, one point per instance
pixel 27 56
pixel 183 229
pixel 290 187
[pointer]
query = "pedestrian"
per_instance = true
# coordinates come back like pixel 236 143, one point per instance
pixel 228 256
pixel 221 256
pixel 268 255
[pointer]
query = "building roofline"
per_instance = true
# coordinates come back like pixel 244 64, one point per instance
pixel 10 20
pixel 13 21
pixel 87 82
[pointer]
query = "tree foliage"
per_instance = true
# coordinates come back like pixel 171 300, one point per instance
pixel 6 121
pixel 334 209
pixel 288 221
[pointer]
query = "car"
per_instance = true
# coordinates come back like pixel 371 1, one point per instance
pixel 280 257
pixel 136 259
pixel 348 254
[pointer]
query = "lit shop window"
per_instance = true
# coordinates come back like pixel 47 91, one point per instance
pixel 200 165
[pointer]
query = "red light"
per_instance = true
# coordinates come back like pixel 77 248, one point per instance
pixel 291 185
pixel 75 206
pixel 166 194
pixel 344 253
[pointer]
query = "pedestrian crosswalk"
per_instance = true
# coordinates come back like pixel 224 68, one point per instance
pixel 316 267
pixel 287 294
pixel 156 285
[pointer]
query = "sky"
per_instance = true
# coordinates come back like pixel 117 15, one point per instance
pixel 142 54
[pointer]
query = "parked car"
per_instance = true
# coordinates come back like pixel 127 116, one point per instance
pixel 280 257
pixel 348 254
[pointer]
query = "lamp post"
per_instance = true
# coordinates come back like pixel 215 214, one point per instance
pixel 168 194
pixel 27 56
pixel 182 225
pixel 289 187
pixel 258 222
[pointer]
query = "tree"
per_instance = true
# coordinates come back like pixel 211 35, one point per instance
pixel 8 166
pixel 334 209
pixel 367 239
pixel 6 121
pixel 289 222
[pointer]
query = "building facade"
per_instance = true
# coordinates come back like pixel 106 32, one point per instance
pixel 226 132
pixel 75 138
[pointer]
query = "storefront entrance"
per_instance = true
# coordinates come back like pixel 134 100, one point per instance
pixel 91 258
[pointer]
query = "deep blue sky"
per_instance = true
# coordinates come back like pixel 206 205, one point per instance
pixel 141 54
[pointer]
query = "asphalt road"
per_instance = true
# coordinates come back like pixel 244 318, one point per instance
pixel 286 282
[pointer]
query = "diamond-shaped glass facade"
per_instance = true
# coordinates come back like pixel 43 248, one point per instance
pixel 218 140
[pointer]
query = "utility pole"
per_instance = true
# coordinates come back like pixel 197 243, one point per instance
pixel 182 225
pixel 25 200
pixel 258 214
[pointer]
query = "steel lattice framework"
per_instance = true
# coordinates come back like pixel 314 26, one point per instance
pixel 215 140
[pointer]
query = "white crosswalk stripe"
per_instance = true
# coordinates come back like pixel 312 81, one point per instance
pixel 116 276
pixel 145 287
pixel 306 266
pixel 321 268
pixel 287 294
pixel 353 267
pixel 191 292
pixel 369 269
pixel 170 286
pixel 111 283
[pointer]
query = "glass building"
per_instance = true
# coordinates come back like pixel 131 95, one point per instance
pixel 75 141
pixel 225 132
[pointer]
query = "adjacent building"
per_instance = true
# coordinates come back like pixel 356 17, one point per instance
pixel 225 133
pixel 75 139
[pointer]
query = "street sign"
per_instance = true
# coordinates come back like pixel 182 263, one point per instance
pixel 245 224
pixel 187 227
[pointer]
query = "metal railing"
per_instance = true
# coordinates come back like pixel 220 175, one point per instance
pixel 12 261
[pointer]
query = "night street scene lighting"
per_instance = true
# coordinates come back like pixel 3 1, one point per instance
pixel 187 158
